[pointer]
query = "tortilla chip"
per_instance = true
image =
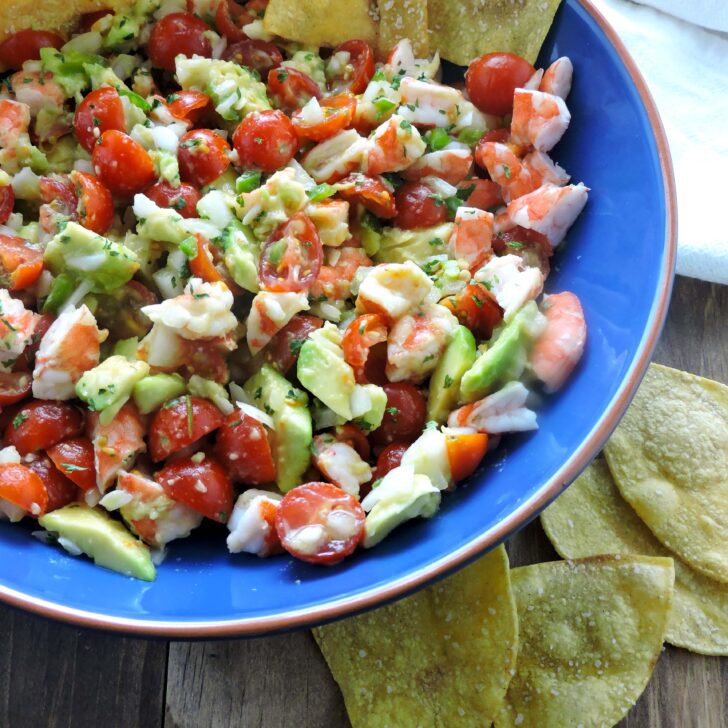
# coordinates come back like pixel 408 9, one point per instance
pixel 400 19
pixel 441 657
pixel 591 518
pixel 465 29
pixel 321 22
pixel 590 634
pixel 669 459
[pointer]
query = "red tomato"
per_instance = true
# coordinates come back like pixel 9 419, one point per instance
pixel 202 266
pixel 285 345
pixel 61 491
pixel 404 418
pixel 25 45
pixel 95 204
pixel 188 105
pixel 256 54
pixel 373 371
pixel 351 435
pixel 123 164
pixel 20 263
pixel 14 387
pixel 184 198
pixel 290 89
pixel 179 423
pixel 101 109
pixel 492 79
pixel 291 257
pixel 361 335
pixel 334 517
pixel 390 458
pixel 7 202
pixel 88 19
pixel 501 136
pixel 23 488
pixel 265 140
pixel 369 192
pixel 178 33
pixel 338 112
pixel 530 245
pixel 202 156
pixel 206 360
pixel 40 424
pixel 464 453
pixel 204 486
pixel 75 459
pixel 242 447
pixel 486 194
pixel 417 207
pixel 231 17
pixel 477 309
pixel 358 72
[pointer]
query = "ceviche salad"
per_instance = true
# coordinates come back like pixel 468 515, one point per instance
pixel 295 291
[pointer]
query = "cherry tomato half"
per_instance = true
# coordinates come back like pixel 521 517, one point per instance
pixel 492 79
pixel 14 387
pixel 477 309
pixel 95 203
pixel 290 89
pixel 292 256
pixel 88 19
pixel 23 488
pixel 25 45
pixel 179 423
pixel 285 345
pixel 464 453
pixel 256 54
pixel 188 105
pixel 20 263
pixel 100 110
pixel 61 491
pixel 230 17
pixel 374 369
pixel 265 140
pixel 203 156
pixel 533 247
pixel 75 459
pixel 418 207
pixel 202 265
pixel 122 163
pixel 404 418
pixel 203 486
pixel 351 435
pixel 41 424
pixel 242 447
pixel 178 33
pixel 338 113
pixel 356 74
pixel 320 523
pixel 370 193
pixel 184 198
pixel 361 335
pixel 390 458
pixel 7 202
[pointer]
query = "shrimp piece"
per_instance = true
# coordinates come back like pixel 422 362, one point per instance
pixel 511 281
pixel 393 289
pixel 539 119
pixel 502 411
pixel 17 326
pixel 117 444
pixel 417 341
pixel 14 122
pixel 37 90
pixel 506 170
pixel 70 347
pixel 402 62
pixel 395 145
pixel 331 218
pixel 560 346
pixel 334 280
pixel 333 159
pixel 544 170
pixel 453 164
pixel 150 512
pixel 429 103
pixel 269 313
pixel 535 80
pixel 252 524
pixel 472 235
pixel 557 79
pixel 340 463
pixel 549 210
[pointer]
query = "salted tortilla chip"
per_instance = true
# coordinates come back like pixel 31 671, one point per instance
pixel 400 19
pixel 591 518
pixel 669 459
pixel 441 657
pixel 465 29
pixel 321 22
pixel 590 633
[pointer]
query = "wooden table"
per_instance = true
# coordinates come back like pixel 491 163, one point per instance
pixel 57 676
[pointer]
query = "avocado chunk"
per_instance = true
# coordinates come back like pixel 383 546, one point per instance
pixel 101 538
pixel 428 456
pixel 323 371
pixel 398 246
pixel 445 382
pixel 506 358
pixel 153 391
pixel 368 403
pixel 293 435
pixel 241 255
pixel 208 389
pixel 107 387
pixel 106 265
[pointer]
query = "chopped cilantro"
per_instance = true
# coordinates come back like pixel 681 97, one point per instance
pixel 19 419
pixel 448 381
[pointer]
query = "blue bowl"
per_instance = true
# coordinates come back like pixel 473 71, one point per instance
pixel 619 260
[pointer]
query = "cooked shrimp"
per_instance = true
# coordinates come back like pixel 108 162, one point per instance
pixel 416 342
pixel 544 170
pixel 502 411
pixel 70 347
pixel 549 210
pixel 511 281
pixel 559 348
pixel 393 289
pixel 340 463
pixel 14 122
pixel 334 278
pixel 395 145
pixel 428 103
pixel 506 170
pixel 269 313
pixel 17 326
pixel 333 159
pixel 535 80
pixel 331 218
pixel 557 79
pixel 37 90
pixel 252 524
pixel 472 235
pixel 539 119
pixel 402 62
pixel 453 164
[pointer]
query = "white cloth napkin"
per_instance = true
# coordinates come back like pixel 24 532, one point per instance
pixel 686 68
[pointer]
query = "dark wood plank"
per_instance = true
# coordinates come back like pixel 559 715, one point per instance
pixel 56 676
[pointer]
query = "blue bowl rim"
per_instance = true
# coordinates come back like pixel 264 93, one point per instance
pixel 521 516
